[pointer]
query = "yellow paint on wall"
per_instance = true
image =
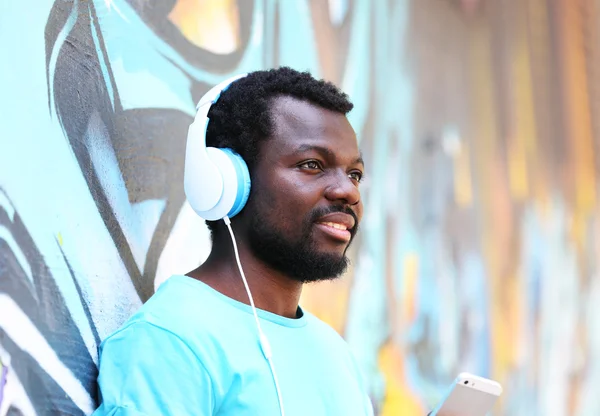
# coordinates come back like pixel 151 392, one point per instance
pixel 399 399
pixel 540 50
pixel 463 186
pixel 576 92
pixel 517 169
pixel 410 274
pixel 209 24
pixel 522 145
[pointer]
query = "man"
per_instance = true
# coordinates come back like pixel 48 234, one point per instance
pixel 193 348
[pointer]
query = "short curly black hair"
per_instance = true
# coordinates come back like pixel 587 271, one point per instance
pixel 241 118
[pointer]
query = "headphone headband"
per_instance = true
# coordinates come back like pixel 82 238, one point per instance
pixel 208 177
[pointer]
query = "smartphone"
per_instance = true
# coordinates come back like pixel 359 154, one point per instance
pixel 469 395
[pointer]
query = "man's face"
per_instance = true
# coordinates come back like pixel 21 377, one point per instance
pixel 305 205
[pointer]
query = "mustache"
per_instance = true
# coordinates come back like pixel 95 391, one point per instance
pixel 319 212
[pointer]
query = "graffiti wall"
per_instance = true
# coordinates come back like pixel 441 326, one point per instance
pixel 478 122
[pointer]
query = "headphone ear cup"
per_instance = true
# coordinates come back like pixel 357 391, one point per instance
pixel 236 183
pixel 242 181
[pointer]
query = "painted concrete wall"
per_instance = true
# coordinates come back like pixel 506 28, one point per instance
pixel 479 245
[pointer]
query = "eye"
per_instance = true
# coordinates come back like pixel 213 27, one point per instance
pixel 356 175
pixel 311 165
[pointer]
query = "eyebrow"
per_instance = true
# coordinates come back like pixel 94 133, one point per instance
pixel 323 150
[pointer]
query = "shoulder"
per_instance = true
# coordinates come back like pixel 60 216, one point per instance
pixel 183 307
pixel 141 337
pixel 186 310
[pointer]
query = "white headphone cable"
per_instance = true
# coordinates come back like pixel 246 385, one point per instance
pixel 264 342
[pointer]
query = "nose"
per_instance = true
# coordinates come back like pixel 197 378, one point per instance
pixel 343 189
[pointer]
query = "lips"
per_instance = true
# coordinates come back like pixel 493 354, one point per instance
pixel 337 225
pixel 339 220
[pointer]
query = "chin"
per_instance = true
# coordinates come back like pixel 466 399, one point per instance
pixel 324 266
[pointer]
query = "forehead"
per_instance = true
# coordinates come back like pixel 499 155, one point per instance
pixel 298 123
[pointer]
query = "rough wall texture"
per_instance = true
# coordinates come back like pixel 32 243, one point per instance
pixel 479 125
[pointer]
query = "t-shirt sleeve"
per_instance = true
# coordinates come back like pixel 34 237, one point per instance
pixel 147 370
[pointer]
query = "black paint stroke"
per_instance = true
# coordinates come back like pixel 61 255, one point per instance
pixel 45 307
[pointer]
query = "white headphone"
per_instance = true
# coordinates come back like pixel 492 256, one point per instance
pixel 217 184
pixel 216 181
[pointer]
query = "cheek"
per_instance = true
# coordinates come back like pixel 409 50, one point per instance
pixel 288 209
pixel 287 204
pixel 277 205
pixel 286 195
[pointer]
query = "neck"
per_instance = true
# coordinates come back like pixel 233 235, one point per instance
pixel 271 290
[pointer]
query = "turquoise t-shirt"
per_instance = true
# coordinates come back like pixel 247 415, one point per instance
pixel 191 350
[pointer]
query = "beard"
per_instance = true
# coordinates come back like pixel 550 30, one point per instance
pixel 297 259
